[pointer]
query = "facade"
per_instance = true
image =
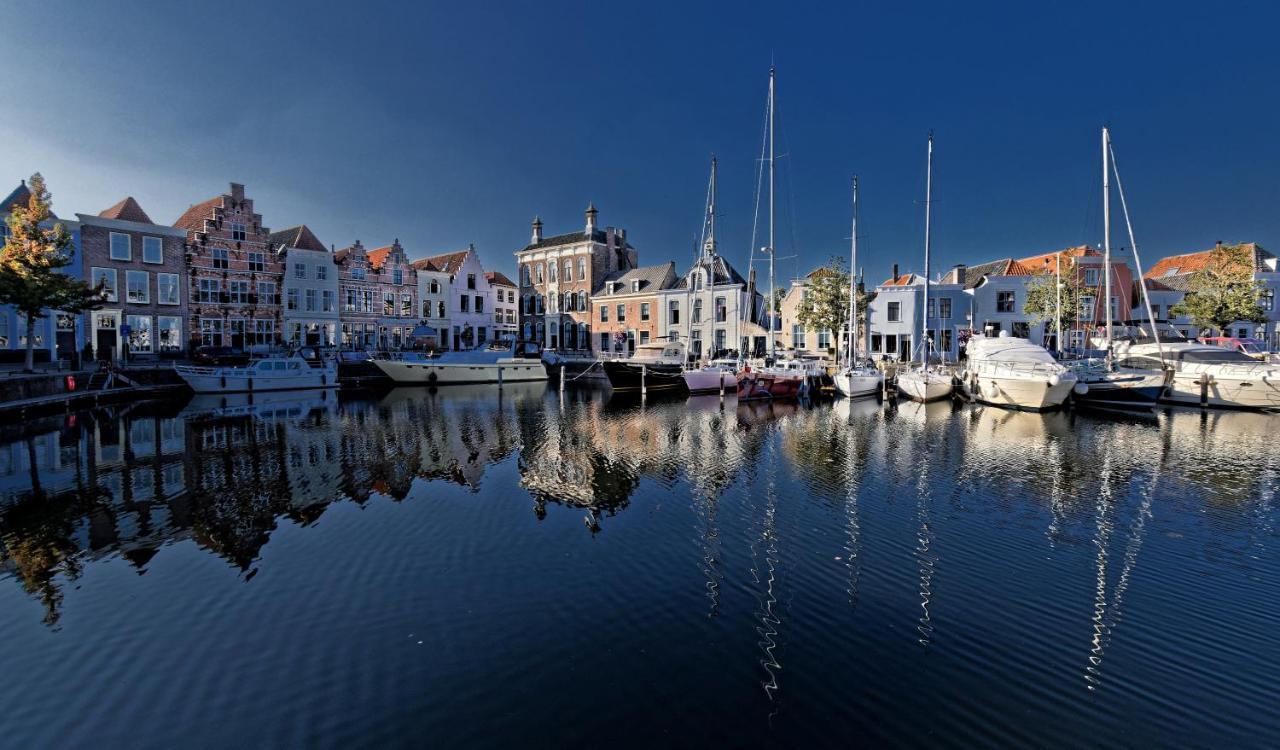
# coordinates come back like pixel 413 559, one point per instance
pixel 143 269
pixel 506 311
pixel 471 298
pixel 558 276
pixel 310 288
pixel 378 293
pixel 712 309
pixel 893 316
pixel 1170 279
pixel 627 309
pixel 233 276
pixel 435 294
pixel 57 335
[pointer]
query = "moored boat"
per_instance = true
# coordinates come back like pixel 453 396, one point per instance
pixel 768 383
pixel 925 384
pixel 1014 373
pixel 519 362
pixel 1205 375
pixel 655 366
pixel 719 374
pixel 268 374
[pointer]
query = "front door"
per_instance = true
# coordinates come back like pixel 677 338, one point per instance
pixel 106 335
pixel 66 336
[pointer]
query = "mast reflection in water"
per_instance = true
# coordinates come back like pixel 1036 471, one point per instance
pixel 449 567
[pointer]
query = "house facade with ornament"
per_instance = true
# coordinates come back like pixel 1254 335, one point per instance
pixel 470 298
pixel 310 288
pixel 378 294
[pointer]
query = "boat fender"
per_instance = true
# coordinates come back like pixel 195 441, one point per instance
pixel 251 384
pixel 224 381
pixel 1054 380
pixel 431 377
pixel 1081 389
pixel 71 383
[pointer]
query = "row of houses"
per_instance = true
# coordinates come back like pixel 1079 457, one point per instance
pixel 991 297
pixel 217 276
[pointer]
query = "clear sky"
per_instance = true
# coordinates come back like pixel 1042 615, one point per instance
pixel 447 123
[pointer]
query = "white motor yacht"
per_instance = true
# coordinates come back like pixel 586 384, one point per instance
pixel 518 361
pixel 268 374
pixel 1206 375
pixel 1014 373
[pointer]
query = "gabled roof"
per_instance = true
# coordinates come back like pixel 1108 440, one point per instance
pixel 1048 262
pixel 193 218
pixel 127 210
pixel 449 262
pixel 722 273
pixel 974 275
pixel 19 197
pixel 1189 263
pixel 425 265
pixel 651 278
pixel 497 277
pixel 300 237
pixel 572 238
pixel 907 279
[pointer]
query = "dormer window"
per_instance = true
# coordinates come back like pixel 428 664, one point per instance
pixel 635 285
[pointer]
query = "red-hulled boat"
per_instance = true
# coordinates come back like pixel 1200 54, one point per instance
pixel 768 384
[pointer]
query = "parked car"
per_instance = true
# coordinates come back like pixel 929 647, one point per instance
pixel 219 356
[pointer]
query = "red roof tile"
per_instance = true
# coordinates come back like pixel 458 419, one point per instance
pixel 378 256
pixel 193 218
pixel 496 277
pixel 449 262
pixel 424 265
pixel 127 210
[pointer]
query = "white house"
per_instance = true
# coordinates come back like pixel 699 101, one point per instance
pixel 471 298
pixel 506 311
pixel 1170 278
pixel 435 293
pixel 712 309
pixel 893 316
pixel 310 288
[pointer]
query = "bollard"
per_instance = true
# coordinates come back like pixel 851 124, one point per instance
pixel 644 388
pixel 499 377
pixel 722 387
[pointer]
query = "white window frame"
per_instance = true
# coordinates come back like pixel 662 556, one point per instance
pixel 177 288
pixel 94 272
pixel 299 270
pixel 159 245
pixel 129 276
pixel 151 333
pixel 111 246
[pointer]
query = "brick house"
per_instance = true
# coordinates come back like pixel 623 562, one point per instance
pixel 558 275
pixel 627 308
pixel 143 267
pixel 377 294
pixel 233 275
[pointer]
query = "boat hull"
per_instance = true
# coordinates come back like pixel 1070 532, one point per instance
pixel 213 380
pixel 765 385
pixel 440 373
pixel 1189 389
pixel 924 387
pixel 710 381
pixel 631 376
pixel 858 384
pixel 1027 394
pixel 1128 390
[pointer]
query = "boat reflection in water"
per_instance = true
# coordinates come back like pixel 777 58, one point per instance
pixel 763 557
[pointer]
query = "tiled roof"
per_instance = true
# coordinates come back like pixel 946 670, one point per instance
pixel 19 197
pixel 1189 263
pixel 651 278
pixel 425 265
pixel 378 256
pixel 906 279
pixel 722 272
pixel 193 218
pixel 1047 262
pixel 300 237
pixel 974 275
pixel 571 238
pixel 127 210
pixel 497 277
pixel 449 262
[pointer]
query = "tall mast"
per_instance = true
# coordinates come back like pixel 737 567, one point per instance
pixel 772 297
pixel 852 352
pixel 709 255
pixel 928 207
pixel 1106 233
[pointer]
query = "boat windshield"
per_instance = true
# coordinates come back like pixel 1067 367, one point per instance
pixel 1213 355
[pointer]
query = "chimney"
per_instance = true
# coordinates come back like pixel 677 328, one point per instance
pixel 591 219
pixel 957 274
pixel 237 191
pixel 537 230
pixel 895 272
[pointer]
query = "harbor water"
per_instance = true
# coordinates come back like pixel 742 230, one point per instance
pixel 485 568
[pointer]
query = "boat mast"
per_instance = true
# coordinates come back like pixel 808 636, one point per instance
pixel 772 295
pixel 1137 258
pixel 709 254
pixel 1106 234
pixel 928 205
pixel 852 353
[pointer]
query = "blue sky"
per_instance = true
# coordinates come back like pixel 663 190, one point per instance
pixel 441 124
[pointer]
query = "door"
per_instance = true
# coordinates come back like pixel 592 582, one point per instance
pixel 106 335
pixel 65 338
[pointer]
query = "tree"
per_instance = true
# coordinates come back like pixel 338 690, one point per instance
pixel 1044 304
pixel 825 306
pixel 31 263
pixel 1224 291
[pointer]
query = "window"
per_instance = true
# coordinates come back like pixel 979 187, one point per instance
pixel 350 301
pixel 622 313
pixel 440 308
pixel 322 272
pixel 258 262
pixel 1155 311
pixel 208 291
pixel 388 303
pixel 211 331
pixel 673 312
pixel 310 299
pixel 568 270
pixel 582 301
pixel 524 278
pixel 722 310
pixel 929 309
pixel 582 269
pixel 291 299
pixel 946 340
pixel 644 310
pixel 539 269
pixel 480 303
pixel 1004 302
pixel 106 277
pixel 237 232
pixel 695 343
pixel 406 306
pixel 797 336
pixel 140 339
pixel 465 303
pixel 644 337
pixel 357 273
pixel 299 269
pixel 875 343
pixel 264 331
pixel 1091 276
pixel 267 293
pixel 697 311
pixel 604 342
pixel 824 340
pixel 137 286
pixel 471 281
pixel 169 333
pixel 895 312
pixel 121 246
pixel 434 286
pixel 167 289
pixel 239 292
pixel 604 313
pixel 152 250
pixel 1021 329
pixel 944 308
pixel 397 276
pixel 553 270
pixel 220 258
pixel 330 304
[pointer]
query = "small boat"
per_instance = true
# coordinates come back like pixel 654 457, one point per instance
pixel 507 362
pixel 855 380
pixel 655 366
pixel 925 384
pixel 717 375
pixel 268 374
pixel 775 383
pixel 1014 373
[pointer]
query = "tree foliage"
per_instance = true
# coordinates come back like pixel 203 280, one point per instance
pixel 31 263
pixel 1044 305
pixel 1224 291
pixel 825 306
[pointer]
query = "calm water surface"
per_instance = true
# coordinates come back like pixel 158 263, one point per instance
pixel 458 568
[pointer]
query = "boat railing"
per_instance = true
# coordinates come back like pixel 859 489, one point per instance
pixel 1232 368
pixel 1013 368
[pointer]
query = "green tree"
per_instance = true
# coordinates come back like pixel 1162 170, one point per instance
pixel 1044 305
pixel 31 263
pixel 1224 291
pixel 825 306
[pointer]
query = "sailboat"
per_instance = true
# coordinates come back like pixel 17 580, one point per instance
pixel 855 380
pixel 924 383
pixel 1102 383
pixel 770 381
pixel 717 375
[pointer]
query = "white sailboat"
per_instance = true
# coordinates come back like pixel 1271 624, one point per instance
pixel 925 383
pixel 717 376
pixel 856 380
